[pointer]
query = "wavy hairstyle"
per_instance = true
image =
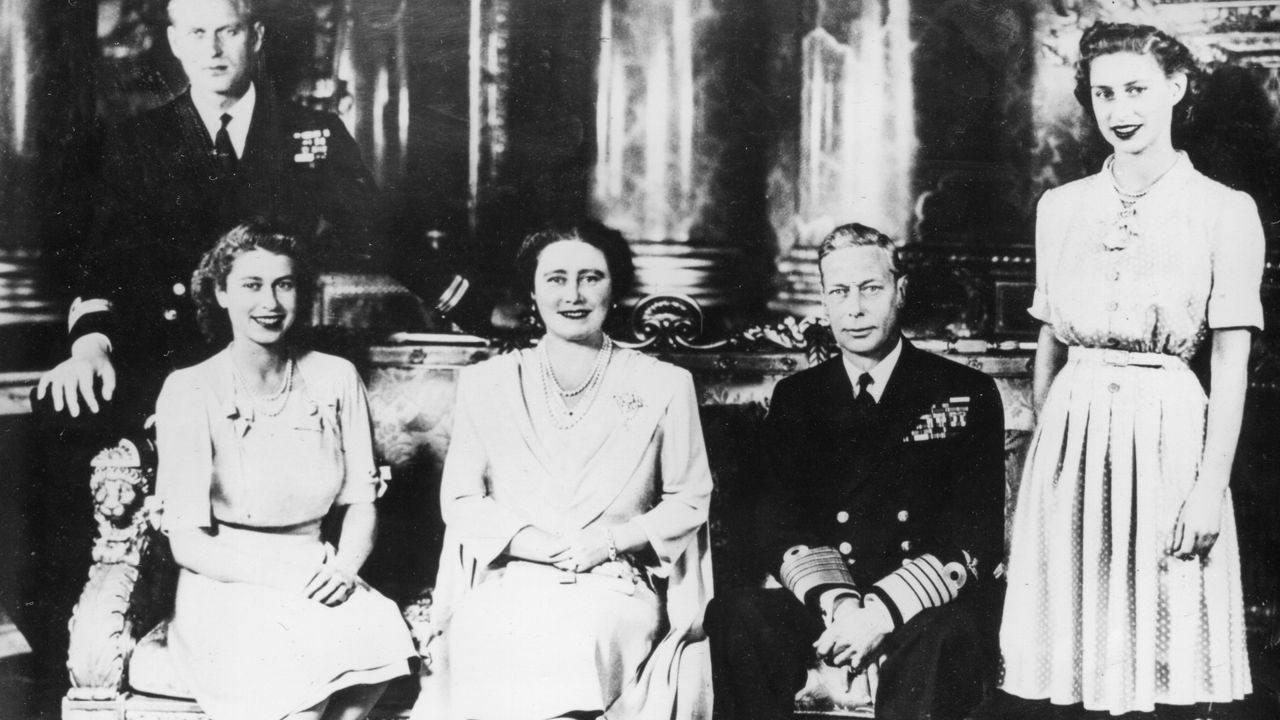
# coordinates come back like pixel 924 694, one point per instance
pixel 611 243
pixel 859 235
pixel 215 265
pixel 1106 38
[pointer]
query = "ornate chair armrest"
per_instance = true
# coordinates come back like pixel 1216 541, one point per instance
pixel 422 625
pixel 102 632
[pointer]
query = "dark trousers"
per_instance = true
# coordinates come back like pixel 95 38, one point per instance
pixel 936 666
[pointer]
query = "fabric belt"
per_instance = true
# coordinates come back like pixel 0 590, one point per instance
pixel 1122 358
pixel 302 528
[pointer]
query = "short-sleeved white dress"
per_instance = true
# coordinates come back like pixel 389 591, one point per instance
pixel 1097 612
pixel 262 484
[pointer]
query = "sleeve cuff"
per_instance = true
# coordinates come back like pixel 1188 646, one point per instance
pixel 365 491
pixel 468 306
pixel 1224 315
pixel 90 316
pixel 452 294
pixel 919 585
pixel 828 599
pixel 806 572
pixel 1039 306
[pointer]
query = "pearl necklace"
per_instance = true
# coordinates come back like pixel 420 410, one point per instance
pixel 1126 220
pixel 556 396
pixel 273 404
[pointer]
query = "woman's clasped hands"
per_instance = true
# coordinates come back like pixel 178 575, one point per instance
pixel 585 550
pixel 578 553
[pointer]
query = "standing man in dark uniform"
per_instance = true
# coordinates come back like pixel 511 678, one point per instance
pixel 169 182
pixel 173 179
pixel 883 515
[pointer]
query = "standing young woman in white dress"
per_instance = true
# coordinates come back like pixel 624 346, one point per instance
pixel 256 445
pixel 575 496
pixel 1124 575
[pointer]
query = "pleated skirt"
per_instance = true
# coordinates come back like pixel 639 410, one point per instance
pixel 250 652
pixel 1097 612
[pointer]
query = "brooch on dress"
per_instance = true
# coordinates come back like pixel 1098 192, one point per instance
pixel 942 421
pixel 313 145
pixel 629 404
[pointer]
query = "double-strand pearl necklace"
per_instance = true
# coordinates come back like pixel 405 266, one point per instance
pixel 272 404
pixel 557 397
pixel 1126 219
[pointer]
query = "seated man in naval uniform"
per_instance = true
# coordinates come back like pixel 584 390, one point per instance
pixel 882 515
pixel 167 183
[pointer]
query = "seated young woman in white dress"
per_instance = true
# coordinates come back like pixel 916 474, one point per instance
pixel 575 495
pixel 256 445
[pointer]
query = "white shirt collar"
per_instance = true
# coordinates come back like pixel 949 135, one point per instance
pixel 879 374
pixel 241 114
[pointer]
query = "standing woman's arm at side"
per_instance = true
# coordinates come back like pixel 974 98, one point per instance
pixel 1200 519
pixel 1051 354
pixel 1235 307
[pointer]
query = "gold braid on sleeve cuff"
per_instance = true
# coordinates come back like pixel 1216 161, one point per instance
pixel 452 295
pixel 918 585
pixel 807 570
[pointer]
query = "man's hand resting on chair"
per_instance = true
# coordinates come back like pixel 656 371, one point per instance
pixel 74 377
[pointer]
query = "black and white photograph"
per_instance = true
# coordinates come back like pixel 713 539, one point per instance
pixel 639 359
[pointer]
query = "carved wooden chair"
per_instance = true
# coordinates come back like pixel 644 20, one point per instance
pixel 117 658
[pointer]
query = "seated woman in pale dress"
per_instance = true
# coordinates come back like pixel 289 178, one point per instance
pixel 256 445
pixel 575 495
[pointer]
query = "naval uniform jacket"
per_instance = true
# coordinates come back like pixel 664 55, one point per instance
pixel 923 473
pixel 163 200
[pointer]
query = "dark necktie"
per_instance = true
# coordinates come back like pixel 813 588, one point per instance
pixel 863 400
pixel 222 146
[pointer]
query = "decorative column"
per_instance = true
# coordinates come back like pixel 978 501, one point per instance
pixel 676 99
pixel 489 83
pixel 46 51
pixel 368 79
pixel 857 138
